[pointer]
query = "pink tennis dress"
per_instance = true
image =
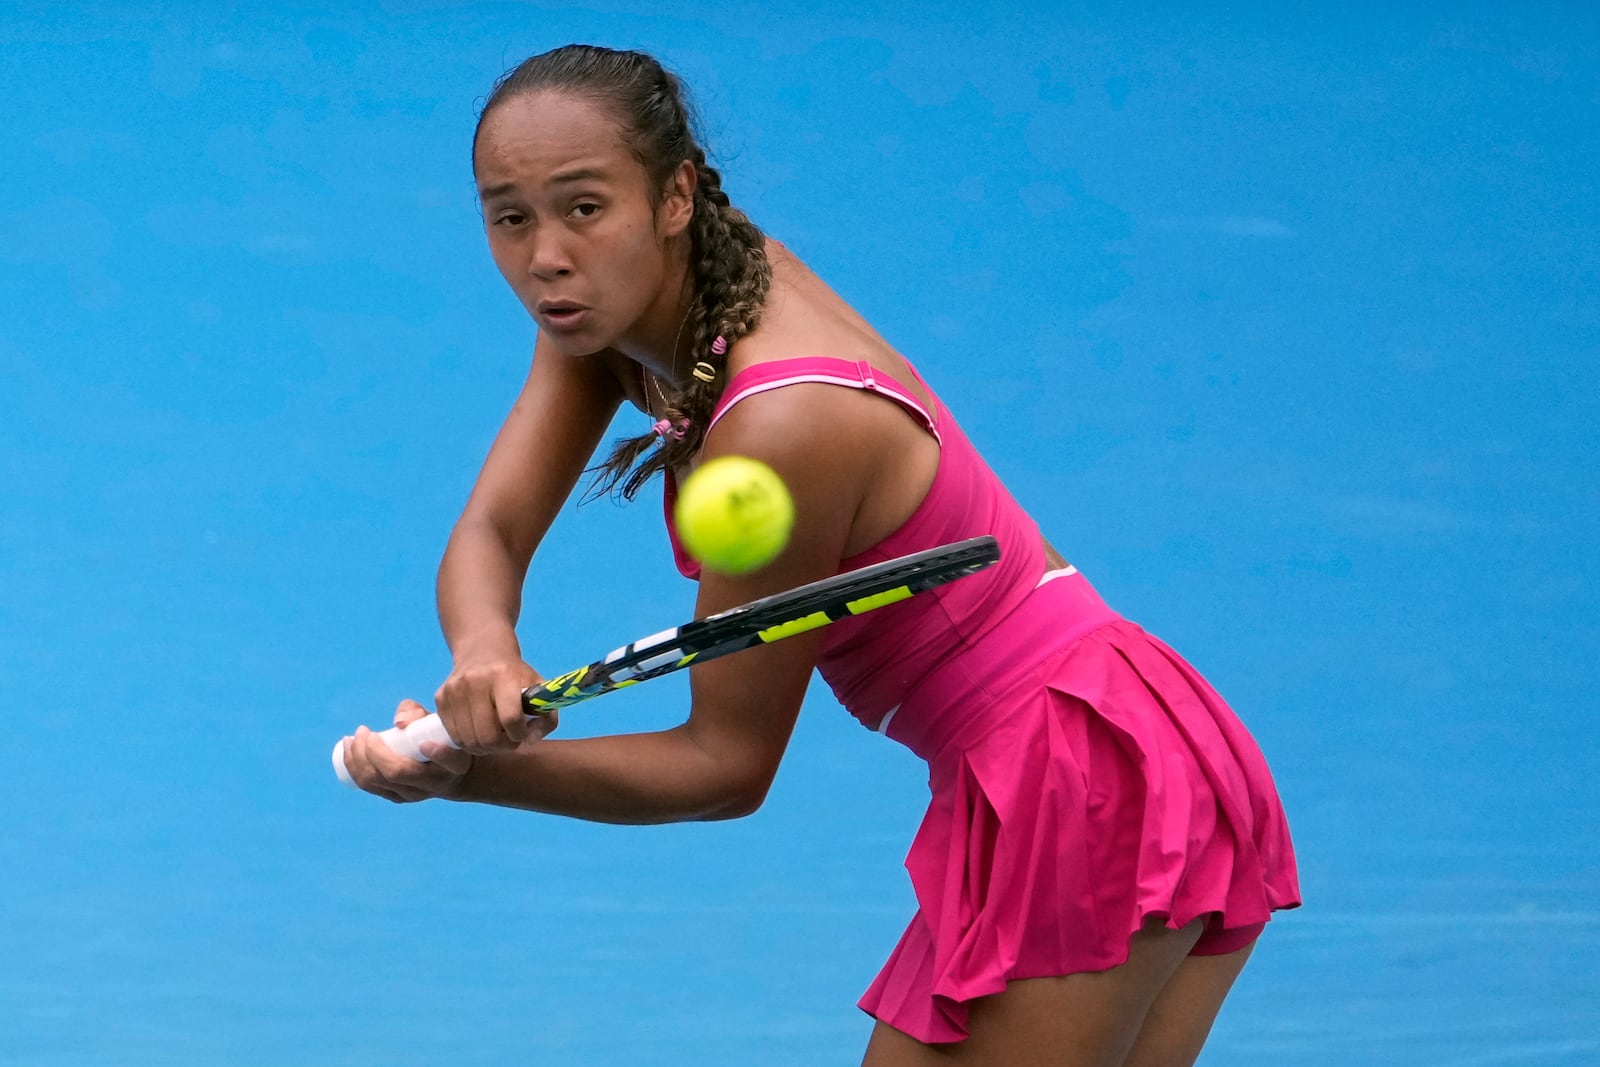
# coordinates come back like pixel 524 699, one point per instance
pixel 1083 776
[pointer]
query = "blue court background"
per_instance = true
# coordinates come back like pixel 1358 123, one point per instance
pixel 1283 322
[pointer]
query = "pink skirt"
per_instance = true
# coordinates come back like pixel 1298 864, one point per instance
pixel 1076 793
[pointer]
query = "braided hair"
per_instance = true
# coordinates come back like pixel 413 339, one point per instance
pixel 727 260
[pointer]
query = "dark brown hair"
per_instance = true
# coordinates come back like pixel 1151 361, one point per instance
pixel 727 258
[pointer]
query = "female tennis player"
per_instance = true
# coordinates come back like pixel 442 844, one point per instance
pixel 1104 842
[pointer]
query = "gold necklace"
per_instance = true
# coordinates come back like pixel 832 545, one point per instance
pixel 645 377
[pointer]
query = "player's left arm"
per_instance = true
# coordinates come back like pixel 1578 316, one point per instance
pixel 721 761
pixel 744 707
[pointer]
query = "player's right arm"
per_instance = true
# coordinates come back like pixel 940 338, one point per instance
pixel 538 456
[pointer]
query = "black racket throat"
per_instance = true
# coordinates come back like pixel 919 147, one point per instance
pixel 767 620
pixel 922 570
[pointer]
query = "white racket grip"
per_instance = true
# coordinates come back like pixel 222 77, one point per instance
pixel 406 741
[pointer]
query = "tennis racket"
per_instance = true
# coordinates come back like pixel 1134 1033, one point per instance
pixel 760 622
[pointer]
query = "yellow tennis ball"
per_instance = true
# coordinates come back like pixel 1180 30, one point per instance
pixel 734 514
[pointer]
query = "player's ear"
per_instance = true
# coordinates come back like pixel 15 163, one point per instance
pixel 677 200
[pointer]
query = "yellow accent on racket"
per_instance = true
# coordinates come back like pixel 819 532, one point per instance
pixel 795 626
pixel 878 600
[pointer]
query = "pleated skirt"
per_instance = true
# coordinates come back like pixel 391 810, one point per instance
pixel 1084 779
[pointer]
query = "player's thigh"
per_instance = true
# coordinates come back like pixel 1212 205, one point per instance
pixel 1079 1020
pixel 1178 1023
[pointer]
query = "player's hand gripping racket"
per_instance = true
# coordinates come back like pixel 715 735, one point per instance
pixel 759 622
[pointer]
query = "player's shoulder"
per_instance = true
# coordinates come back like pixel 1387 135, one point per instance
pixel 803 412
pixel 820 438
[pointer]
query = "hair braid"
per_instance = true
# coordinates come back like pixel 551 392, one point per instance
pixel 731 278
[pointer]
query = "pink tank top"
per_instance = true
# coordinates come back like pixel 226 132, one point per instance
pixel 871 661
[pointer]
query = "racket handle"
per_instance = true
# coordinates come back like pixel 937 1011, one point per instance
pixel 405 741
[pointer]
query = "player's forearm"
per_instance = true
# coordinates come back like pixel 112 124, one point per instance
pixel 629 778
pixel 480 590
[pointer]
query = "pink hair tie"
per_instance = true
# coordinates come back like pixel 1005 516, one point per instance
pixel 665 426
pixel 719 346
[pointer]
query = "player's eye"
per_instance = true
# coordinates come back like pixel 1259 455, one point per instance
pixel 510 218
pixel 586 210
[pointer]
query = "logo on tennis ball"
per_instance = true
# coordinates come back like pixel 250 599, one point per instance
pixel 734 514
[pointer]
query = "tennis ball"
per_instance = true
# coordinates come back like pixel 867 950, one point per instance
pixel 734 514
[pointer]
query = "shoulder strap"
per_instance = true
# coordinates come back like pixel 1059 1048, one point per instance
pixel 825 370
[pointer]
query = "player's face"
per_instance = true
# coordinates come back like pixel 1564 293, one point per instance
pixel 571 221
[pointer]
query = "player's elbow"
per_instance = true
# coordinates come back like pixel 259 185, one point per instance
pixel 736 786
pixel 737 794
pixel 734 775
pixel 739 803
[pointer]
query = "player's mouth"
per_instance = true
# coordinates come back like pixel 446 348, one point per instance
pixel 561 315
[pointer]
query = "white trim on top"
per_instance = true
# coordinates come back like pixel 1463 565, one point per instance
pixel 874 384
